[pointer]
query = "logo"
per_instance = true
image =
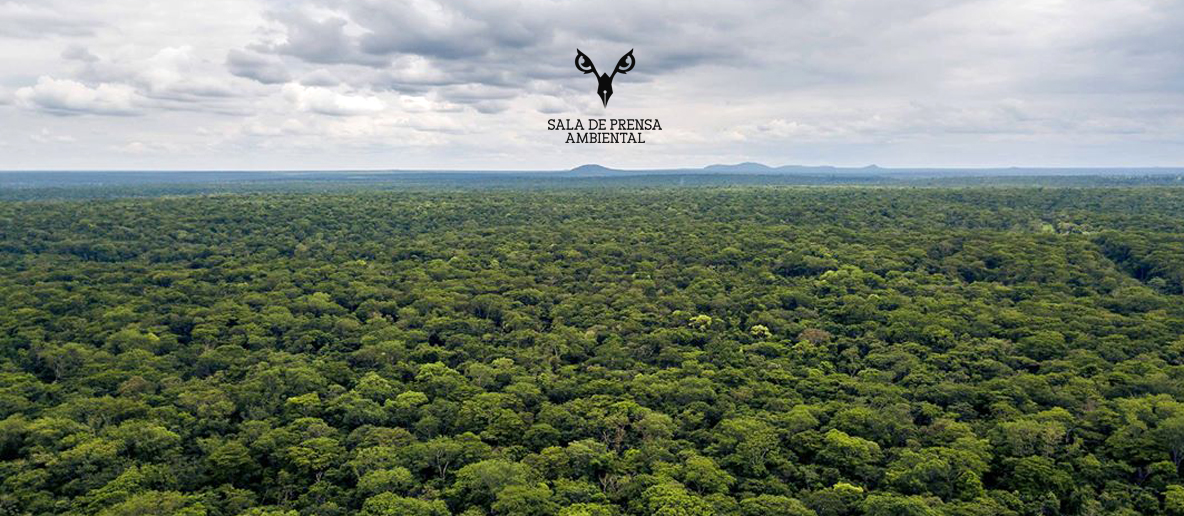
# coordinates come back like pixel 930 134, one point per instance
pixel 604 130
pixel 604 81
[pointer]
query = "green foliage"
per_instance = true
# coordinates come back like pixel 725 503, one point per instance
pixel 588 509
pixel 672 499
pixel 389 504
pixel 773 505
pixel 155 503
pixel 1173 502
pixel 731 351
pixel 703 475
pixel 897 505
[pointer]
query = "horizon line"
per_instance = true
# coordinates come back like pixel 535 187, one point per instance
pixel 754 165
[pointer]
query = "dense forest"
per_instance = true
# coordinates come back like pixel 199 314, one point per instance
pixel 24 186
pixel 746 351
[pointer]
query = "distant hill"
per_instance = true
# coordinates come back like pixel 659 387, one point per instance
pixel 754 168
pixel 592 169
pixel 746 167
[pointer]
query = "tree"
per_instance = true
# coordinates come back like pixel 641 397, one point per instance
pixel 1043 345
pixel 951 474
pixel 839 500
pixel 229 460
pixel 1036 477
pixel 481 482
pixel 390 504
pixel 773 505
pixel 703 476
pixel 588 509
pixel 315 455
pixel 396 480
pixel 896 505
pixel 851 455
pixel 525 500
pixel 672 499
pixel 441 455
pixel 1173 502
pixel 747 442
pixel 1170 435
pixel 157 503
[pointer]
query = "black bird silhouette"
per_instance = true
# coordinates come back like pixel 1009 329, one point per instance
pixel 604 87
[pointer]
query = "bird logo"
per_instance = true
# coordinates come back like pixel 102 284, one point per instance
pixel 604 81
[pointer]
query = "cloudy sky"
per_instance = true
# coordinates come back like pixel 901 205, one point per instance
pixel 376 84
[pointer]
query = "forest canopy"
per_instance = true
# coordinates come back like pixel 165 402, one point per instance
pixel 720 351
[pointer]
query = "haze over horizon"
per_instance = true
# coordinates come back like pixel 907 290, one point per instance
pixel 587 169
pixel 738 167
pixel 464 85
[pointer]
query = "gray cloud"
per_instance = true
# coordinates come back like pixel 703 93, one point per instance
pixel 419 45
pixel 320 77
pixel 79 53
pixel 317 41
pixel 34 20
pixel 447 30
pixel 265 69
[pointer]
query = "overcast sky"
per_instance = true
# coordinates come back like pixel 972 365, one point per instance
pixel 376 84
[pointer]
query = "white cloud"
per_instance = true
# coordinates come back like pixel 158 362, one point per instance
pixel 47 136
pixel 324 101
pixel 66 97
pixel 175 73
pixel 320 77
pixel 289 127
